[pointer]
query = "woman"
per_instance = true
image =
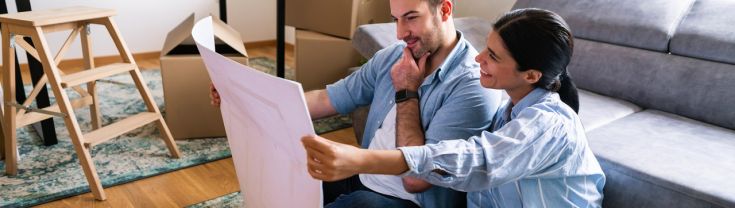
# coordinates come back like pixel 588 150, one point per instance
pixel 537 154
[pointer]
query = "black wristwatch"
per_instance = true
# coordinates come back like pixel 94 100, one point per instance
pixel 403 95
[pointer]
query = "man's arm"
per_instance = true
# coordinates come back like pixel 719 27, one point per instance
pixel 318 103
pixel 410 133
pixel 408 75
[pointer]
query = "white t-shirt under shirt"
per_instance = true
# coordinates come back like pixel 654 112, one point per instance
pixel 385 139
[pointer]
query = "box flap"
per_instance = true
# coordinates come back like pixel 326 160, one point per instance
pixel 179 34
pixel 228 35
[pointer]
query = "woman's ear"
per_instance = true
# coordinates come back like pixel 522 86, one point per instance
pixel 532 76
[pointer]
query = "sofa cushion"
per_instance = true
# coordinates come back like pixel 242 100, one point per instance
pixel 693 161
pixel 596 110
pixel 641 24
pixel 698 89
pixel 707 32
pixel 475 30
pixel 369 39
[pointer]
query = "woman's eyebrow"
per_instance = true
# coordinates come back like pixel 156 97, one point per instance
pixel 493 53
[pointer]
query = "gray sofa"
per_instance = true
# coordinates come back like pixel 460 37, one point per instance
pixel 657 80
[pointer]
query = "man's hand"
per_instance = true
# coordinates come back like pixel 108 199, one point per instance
pixel 330 161
pixel 213 96
pixel 406 74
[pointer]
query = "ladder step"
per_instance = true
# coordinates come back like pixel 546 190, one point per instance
pixel 33 117
pixel 95 74
pixel 118 128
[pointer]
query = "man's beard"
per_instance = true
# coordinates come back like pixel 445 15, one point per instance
pixel 429 44
pixel 421 48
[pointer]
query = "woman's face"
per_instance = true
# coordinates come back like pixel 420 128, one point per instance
pixel 498 69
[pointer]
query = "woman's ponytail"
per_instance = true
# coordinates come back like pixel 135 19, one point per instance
pixel 568 91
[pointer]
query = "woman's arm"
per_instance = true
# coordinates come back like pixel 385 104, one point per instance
pixel 332 161
pixel 523 147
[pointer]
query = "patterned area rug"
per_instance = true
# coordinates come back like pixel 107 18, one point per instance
pixel 49 173
pixel 231 200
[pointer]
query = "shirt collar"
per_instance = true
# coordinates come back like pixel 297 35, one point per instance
pixel 442 71
pixel 532 98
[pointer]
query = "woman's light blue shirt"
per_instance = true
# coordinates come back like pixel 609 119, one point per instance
pixel 537 156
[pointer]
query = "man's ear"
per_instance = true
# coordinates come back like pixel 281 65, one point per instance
pixel 532 76
pixel 446 9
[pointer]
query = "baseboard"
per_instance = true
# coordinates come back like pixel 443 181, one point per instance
pixel 103 60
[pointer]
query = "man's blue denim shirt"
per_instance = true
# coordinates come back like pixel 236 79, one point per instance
pixel 453 103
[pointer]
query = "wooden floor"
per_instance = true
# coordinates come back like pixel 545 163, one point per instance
pixel 187 186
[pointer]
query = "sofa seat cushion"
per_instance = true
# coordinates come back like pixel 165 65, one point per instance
pixel 369 39
pixel 707 32
pixel 657 159
pixel 640 24
pixel 596 110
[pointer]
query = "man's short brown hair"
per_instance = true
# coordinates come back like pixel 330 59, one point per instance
pixel 435 3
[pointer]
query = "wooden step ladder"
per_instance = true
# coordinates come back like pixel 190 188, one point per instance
pixel 35 24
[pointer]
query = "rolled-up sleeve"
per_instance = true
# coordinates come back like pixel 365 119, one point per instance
pixel 522 147
pixel 358 88
pixel 467 112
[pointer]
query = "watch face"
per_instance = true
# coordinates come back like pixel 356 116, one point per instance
pixel 404 95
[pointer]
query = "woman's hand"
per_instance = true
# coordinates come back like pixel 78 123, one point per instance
pixel 331 161
pixel 406 73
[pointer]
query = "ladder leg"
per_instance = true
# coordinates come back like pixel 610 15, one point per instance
pixel 9 122
pixel 88 64
pixel 85 159
pixel 142 87
pixel 2 136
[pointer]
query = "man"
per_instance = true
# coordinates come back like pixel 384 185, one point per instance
pixel 453 104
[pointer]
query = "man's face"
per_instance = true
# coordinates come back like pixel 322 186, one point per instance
pixel 417 25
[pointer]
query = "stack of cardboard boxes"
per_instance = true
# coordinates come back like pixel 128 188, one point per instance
pixel 323 50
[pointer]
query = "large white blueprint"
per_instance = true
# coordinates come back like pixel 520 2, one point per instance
pixel 264 118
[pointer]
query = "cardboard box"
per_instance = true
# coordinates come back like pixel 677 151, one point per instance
pixel 322 59
pixel 336 17
pixel 186 81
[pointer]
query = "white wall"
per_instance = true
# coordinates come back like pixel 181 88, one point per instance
pixel 489 9
pixel 145 23
pixel 255 20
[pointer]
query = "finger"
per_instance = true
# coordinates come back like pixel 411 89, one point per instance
pixel 316 155
pixel 408 57
pixel 407 53
pixel 313 164
pixel 316 143
pixel 422 61
pixel 316 174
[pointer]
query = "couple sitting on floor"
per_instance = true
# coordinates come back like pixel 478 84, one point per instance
pixel 433 132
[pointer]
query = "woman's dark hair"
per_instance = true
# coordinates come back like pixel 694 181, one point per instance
pixel 541 40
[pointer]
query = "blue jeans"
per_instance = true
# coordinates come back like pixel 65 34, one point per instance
pixel 350 192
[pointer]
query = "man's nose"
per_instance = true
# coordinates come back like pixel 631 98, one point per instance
pixel 401 30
